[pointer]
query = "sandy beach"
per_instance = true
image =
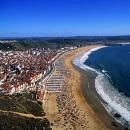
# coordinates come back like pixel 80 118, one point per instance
pixel 71 109
pixel 90 121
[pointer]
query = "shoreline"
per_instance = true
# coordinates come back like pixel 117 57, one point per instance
pixel 75 84
pixel 100 112
pixel 72 108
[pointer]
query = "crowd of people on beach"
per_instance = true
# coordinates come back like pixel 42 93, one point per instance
pixel 69 110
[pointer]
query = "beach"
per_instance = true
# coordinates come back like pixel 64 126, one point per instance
pixel 73 108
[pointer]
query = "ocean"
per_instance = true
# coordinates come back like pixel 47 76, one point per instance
pixel 112 65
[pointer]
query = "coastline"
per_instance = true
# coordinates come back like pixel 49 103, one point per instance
pixel 75 83
pixel 89 102
pixel 73 108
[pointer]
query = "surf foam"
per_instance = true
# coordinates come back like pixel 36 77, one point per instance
pixel 116 101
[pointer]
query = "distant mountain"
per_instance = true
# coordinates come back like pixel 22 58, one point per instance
pixel 71 37
pixel 59 42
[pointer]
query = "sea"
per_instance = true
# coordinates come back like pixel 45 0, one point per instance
pixel 112 83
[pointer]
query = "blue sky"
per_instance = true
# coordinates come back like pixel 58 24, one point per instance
pixel 64 17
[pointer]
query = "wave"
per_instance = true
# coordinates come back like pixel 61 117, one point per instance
pixel 80 60
pixel 116 102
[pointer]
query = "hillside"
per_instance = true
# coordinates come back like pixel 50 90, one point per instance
pixel 59 42
pixel 22 112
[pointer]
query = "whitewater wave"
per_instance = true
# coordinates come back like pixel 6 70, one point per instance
pixel 115 100
pixel 79 61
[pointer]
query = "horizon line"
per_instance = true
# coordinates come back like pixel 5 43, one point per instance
pixel 63 36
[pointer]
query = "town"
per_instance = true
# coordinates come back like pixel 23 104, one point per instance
pixel 24 71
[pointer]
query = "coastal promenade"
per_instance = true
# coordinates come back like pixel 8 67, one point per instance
pixel 56 79
pixel 64 105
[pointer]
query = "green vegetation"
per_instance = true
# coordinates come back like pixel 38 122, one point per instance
pixel 56 43
pixel 22 112
pixel 11 121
